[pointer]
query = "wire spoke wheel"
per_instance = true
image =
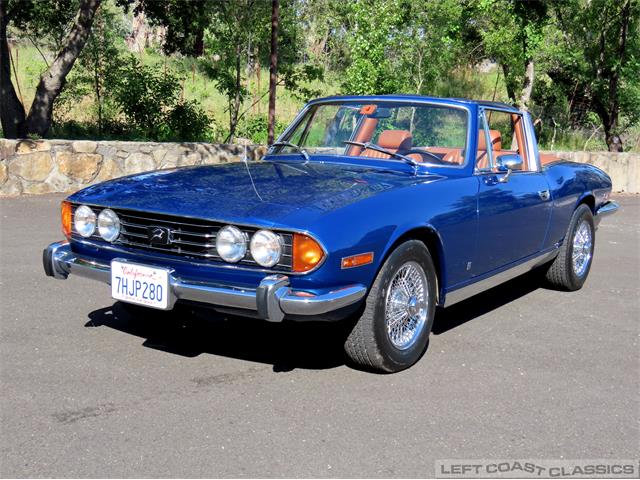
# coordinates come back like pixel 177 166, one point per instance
pixel 582 246
pixel 406 305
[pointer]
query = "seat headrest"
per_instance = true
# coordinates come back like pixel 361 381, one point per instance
pixel 396 139
pixel 496 140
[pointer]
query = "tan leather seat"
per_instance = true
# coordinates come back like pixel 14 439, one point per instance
pixel 393 140
pixel 364 135
pixel 449 155
pixel 496 143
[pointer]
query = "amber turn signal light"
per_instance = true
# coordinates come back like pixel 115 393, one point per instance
pixel 307 253
pixel 357 260
pixel 65 213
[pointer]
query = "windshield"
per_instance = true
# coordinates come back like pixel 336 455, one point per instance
pixel 424 133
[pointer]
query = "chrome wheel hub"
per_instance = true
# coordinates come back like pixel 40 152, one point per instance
pixel 406 305
pixel 581 252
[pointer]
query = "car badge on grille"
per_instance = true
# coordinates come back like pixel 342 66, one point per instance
pixel 159 235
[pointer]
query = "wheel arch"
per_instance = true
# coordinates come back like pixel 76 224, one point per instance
pixel 588 199
pixel 431 238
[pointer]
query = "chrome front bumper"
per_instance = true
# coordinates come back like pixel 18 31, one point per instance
pixel 271 300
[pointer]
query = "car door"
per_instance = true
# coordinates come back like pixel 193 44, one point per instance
pixel 513 208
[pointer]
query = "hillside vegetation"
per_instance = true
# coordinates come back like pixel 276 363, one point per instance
pixel 199 70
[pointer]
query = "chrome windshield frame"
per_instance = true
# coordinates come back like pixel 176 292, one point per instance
pixel 376 99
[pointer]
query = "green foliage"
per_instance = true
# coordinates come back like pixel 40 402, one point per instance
pixel 212 63
pixel 512 33
pixel 187 122
pixel 426 55
pixel 236 45
pixel 401 45
pixel 184 21
pixel 149 99
pixel 44 22
pixel 144 93
pixel 255 128
pixel 97 69
pixel 372 26
pixel 591 70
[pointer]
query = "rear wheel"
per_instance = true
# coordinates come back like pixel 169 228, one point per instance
pixel 571 267
pixel 394 328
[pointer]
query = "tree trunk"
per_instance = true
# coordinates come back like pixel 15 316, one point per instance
pixel 11 110
pixel 527 85
pixel 508 83
pixel 234 104
pixel 614 142
pixel 273 68
pixel 52 81
pixel 198 44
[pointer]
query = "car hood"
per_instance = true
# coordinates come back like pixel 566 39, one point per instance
pixel 264 193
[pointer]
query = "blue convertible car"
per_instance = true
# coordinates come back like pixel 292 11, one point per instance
pixel 376 209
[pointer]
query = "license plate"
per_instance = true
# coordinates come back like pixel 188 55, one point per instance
pixel 140 284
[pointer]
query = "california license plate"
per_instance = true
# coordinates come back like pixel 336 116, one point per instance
pixel 140 284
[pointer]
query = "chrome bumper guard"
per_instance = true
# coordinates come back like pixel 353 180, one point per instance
pixel 607 208
pixel 271 300
pixel 604 210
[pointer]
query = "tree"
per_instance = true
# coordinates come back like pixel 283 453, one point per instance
pixel 101 58
pixel 234 27
pixel 273 67
pixel 400 45
pixel 598 56
pixel 185 21
pixel 428 44
pixel 512 35
pixel 371 25
pixel 23 14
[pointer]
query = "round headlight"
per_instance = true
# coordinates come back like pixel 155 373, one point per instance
pixel 108 225
pixel 84 221
pixel 231 244
pixel 266 248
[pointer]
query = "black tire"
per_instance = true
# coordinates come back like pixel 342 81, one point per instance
pixel 369 344
pixel 561 274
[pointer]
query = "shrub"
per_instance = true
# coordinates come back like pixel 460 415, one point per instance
pixel 188 122
pixel 256 129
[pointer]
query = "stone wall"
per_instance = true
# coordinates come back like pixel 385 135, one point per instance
pixel 623 168
pixel 46 166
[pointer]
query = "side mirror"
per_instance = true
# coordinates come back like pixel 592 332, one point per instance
pixel 509 162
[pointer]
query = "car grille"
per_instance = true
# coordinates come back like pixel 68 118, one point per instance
pixel 190 237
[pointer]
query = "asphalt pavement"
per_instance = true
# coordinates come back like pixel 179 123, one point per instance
pixel 519 372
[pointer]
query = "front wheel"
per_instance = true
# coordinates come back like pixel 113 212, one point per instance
pixel 571 267
pixel 394 328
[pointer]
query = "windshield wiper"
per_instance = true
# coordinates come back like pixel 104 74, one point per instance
pixel 378 148
pixel 301 150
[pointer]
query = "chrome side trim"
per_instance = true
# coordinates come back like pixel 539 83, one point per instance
pixel 272 299
pixel 468 291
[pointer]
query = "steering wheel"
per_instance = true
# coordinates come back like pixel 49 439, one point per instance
pixel 424 152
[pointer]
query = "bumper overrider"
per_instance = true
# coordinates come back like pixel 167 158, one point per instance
pixel 271 300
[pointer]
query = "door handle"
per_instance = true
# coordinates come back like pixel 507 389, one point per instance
pixel 544 195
